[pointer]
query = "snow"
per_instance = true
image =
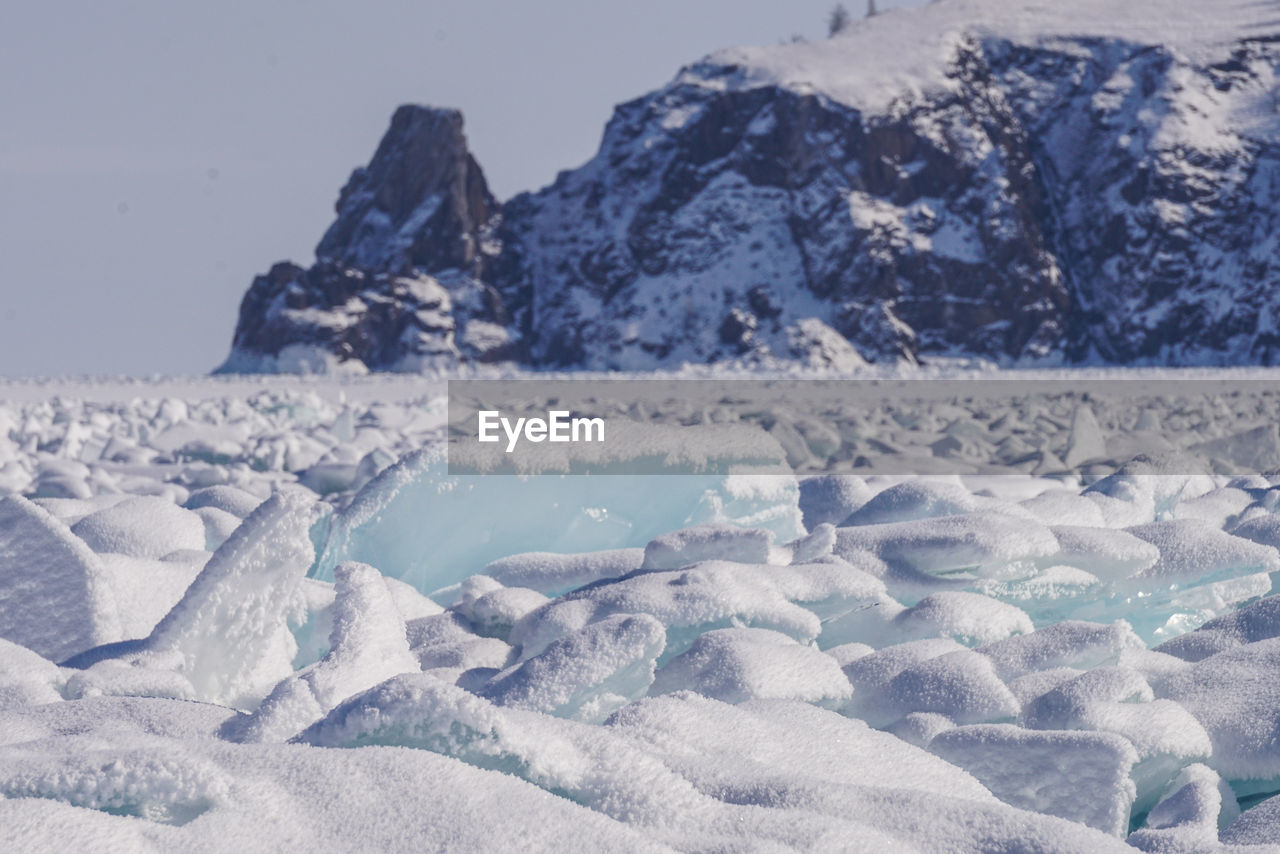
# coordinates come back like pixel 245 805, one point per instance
pixel 1196 805
pixel 734 665
pixel 143 526
pixel 1083 776
pixel 904 54
pixel 1235 697
pixel 957 663
pixel 367 645
pixel 55 595
pixel 229 634
pixel 588 674
pixel 707 542
pixel 550 573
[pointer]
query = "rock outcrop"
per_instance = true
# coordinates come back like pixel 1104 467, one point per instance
pixel 942 181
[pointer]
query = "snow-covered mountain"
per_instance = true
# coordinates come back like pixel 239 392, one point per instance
pixel 1086 181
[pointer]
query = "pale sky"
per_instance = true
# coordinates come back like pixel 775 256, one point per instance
pixel 155 156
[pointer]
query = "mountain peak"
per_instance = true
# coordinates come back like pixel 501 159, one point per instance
pixel 421 202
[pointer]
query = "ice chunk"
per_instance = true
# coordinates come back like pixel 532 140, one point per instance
pixel 588 674
pixel 1194 549
pixel 580 762
pixel 1255 622
pixel 831 498
pixel 708 542
pixel 1236 697
pixel 166 784
pixel 72 510
pixel 1219 507
pixel 229 634
pixel 970 618
pixel 1257 449
pixel 218 526
pixel 142 526
pixel 146 590
pixel 552 574
pixel 847 653
pixel 817 546
pixel 559 513
pixel 1106 553
pixel 224 497
pixel 985 544
pixel 960 685
pixel 921 499
pixel 1081 776
pixel 1086 441
pixel 409 602
pixel 734 665
pixel 1060 507
pixel 58 478
pixel 1258 826
pixel 494 613
pixel 448 641
pixel 1037 683
pixel 871 674
pixel 55 595
pixel 26 679
pixel 366 646
pixel 1071 643
pixel 1264 530
pixel 115 678
pixel 709 595
pixel 1196 805
pixel 794 756
pixel 920 728
pixel 1119 700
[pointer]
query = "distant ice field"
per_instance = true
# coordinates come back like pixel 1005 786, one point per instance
pixel 252 612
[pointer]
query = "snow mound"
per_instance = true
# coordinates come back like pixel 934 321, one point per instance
pixel 143 526
pixel 588 674
pixel 735 665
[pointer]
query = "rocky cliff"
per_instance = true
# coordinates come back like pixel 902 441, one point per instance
pixel 968 178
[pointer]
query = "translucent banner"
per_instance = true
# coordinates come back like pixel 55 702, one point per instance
pixel 891 427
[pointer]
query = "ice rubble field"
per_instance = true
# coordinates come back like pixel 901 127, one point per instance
pixel 261 615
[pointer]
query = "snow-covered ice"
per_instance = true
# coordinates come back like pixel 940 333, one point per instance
pixel 205 629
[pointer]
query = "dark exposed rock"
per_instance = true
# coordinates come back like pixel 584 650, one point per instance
pixel 422 202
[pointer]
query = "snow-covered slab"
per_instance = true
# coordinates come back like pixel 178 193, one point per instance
pixel 142 526
pixel 1195 806
pixel 1083 776
pixel 367 645
pixel 958 684
pixel 229 634
pixel 56 597
pixel 550 572
pixel 588 674
pixel 735 665
pixel 709 595
pixel 980 543
pixel 1234 694
pixel 1070 643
